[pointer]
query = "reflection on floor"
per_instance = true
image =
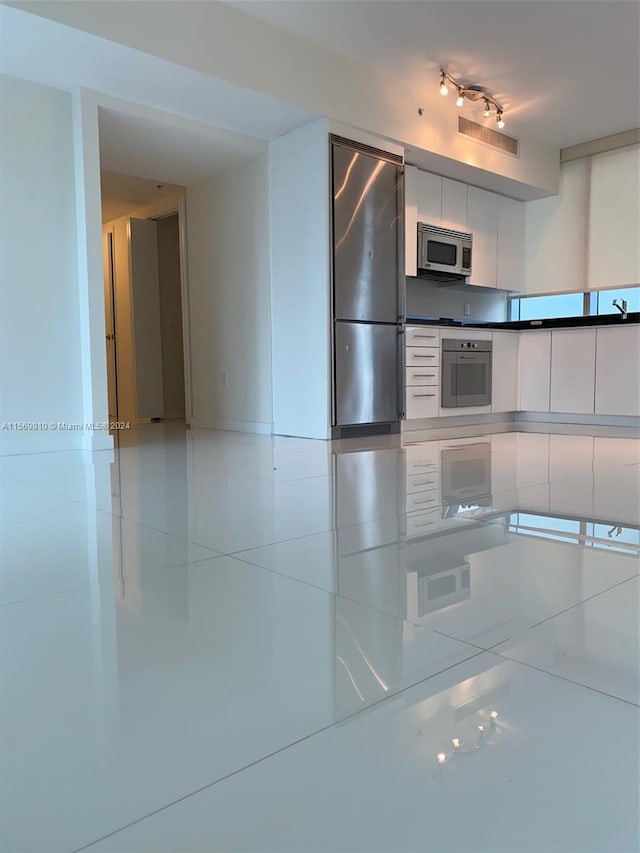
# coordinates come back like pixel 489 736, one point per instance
pixel 215 641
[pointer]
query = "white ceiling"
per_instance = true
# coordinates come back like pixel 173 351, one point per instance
pixel 567 71
pixel 122 194
pixel 168 153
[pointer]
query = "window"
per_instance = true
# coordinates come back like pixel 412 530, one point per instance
pixel 545 307
pixel 572 304
pixel 605 299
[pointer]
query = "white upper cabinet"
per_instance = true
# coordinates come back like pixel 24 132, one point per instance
pixel 556 234
pixel 429 198
pixel 510 274
pixel 497 225
pixel 482 218
pixel 454 205
pixel 614 219
pixel 411 220
pixel 573 366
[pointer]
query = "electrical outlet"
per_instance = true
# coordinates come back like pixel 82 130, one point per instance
pixel 224 378
pixel 466 309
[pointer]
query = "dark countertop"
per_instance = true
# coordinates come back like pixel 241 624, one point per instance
pixel 517 325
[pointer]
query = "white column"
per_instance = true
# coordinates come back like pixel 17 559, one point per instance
pixel 90 283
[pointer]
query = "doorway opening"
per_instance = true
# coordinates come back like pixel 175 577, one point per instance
pixel 144 290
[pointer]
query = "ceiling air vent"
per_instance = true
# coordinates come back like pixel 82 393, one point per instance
pixel 487 136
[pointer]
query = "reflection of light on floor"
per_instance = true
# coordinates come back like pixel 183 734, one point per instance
pixel 370 666
pixel 351 678
pixel 483 738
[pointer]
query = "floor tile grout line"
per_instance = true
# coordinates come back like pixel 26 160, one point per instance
pixel 567 680
pixel 264 758
pixel 584 601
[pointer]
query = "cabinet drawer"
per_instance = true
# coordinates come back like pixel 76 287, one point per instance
pixel 422 466
pixel 423 500
pixel 423 375
pixel 424 481
pixel 423 523
pixel 422 356
pixel 422 401
pixel 422 336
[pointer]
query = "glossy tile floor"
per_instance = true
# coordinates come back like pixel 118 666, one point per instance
pixel 221 642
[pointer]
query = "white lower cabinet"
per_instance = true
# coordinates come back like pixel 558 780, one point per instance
pixel 422 402
pixel 618 370
pixel 422 379
pixel 534 371
pixel 504 379
pixel 573 365
pixel 583 371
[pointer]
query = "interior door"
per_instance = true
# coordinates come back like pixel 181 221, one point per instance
pixel 110 324
pixel 147 334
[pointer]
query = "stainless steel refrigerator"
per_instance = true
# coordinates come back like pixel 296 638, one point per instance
pixel 368 289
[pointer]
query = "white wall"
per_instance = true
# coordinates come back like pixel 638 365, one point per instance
pixel 40 353
pixel 299 215
pixel 229 298
pixel 229 45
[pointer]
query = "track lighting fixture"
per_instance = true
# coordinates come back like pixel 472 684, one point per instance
pixel 472 93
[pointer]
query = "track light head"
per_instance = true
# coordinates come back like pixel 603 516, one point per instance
pixel 473 93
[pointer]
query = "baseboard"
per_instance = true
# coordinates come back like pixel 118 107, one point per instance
pixel 97 441
pixel 626 421
pixel 419 424
pixel 257 428
pixel 24 443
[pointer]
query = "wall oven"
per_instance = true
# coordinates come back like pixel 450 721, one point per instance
pixel 443 253
pixel 466 373
pixel 466 475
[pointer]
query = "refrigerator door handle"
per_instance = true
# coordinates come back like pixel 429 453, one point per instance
pixel 402 287
pixel 401 373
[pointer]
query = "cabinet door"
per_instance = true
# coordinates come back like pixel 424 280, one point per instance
pixel 534 368
pixel 454 205
pixel 505 372
pixel 556 234
pixel 510 273
pixel 429 198
pixel 483 224
pixel 411 220
pixel 618 370
pixel 573 364
pixel 614 218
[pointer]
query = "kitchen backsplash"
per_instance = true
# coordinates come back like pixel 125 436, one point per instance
pixel 431 299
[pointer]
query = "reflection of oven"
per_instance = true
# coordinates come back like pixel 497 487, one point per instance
pixel 466 373
pixel 466 473
pixel 442 589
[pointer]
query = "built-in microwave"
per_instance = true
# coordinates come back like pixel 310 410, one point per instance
pixel 443 253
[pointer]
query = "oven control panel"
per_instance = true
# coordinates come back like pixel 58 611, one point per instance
pixel 453 344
